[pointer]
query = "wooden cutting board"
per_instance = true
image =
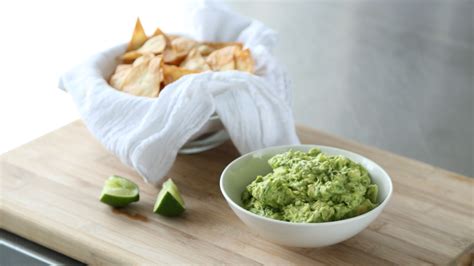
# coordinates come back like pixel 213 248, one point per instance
pixel 50 189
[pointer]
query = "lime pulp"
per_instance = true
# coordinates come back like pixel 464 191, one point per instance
pixel 119 191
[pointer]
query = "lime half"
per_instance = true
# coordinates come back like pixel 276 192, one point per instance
pixel 119 192
pixel 169 201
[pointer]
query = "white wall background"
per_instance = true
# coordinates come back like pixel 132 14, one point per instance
pixel 396 74
pixel 41 39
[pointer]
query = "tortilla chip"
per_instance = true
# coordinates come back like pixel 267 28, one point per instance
pixel 172 73
pixel 144 78
pixel 122 67
pixel 195 61
pixel 204 50
pixel 171 57
pixel 178 50
pixel 142 59
pixel 155 45
pixel 150 63
pixel 129 57
pixel 182 46
pixel 244 61
pixel 219 45
pixel 173 36
pixel 138 37
pixel 158 31
pixel 117 79
pixel 223 59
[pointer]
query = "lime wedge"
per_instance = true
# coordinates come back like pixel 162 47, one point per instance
pixel 169 201
pixel 119 192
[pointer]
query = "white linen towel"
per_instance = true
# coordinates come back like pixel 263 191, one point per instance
pixel 146 133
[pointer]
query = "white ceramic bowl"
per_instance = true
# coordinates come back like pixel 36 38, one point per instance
pixel 243 170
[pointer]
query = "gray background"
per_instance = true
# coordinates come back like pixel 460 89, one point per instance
pixel 393 74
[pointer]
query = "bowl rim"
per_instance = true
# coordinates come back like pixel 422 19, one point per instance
pixel 380 207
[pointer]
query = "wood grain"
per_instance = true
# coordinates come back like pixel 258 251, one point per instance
pixel 50 189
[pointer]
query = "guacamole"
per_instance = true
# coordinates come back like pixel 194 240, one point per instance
pixel 311 187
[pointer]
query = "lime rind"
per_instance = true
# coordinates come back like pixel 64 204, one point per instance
pixel 119 192
pixel 118 202
pixel 169 202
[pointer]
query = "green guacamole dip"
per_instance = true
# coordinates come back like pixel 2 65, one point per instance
pixel 311 187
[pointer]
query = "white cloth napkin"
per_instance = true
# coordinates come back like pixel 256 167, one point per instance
pixel 146 133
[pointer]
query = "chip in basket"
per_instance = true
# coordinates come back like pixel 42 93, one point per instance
pixel 151 63
pixel 172 73
pixel 145 77
pixel 195 61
